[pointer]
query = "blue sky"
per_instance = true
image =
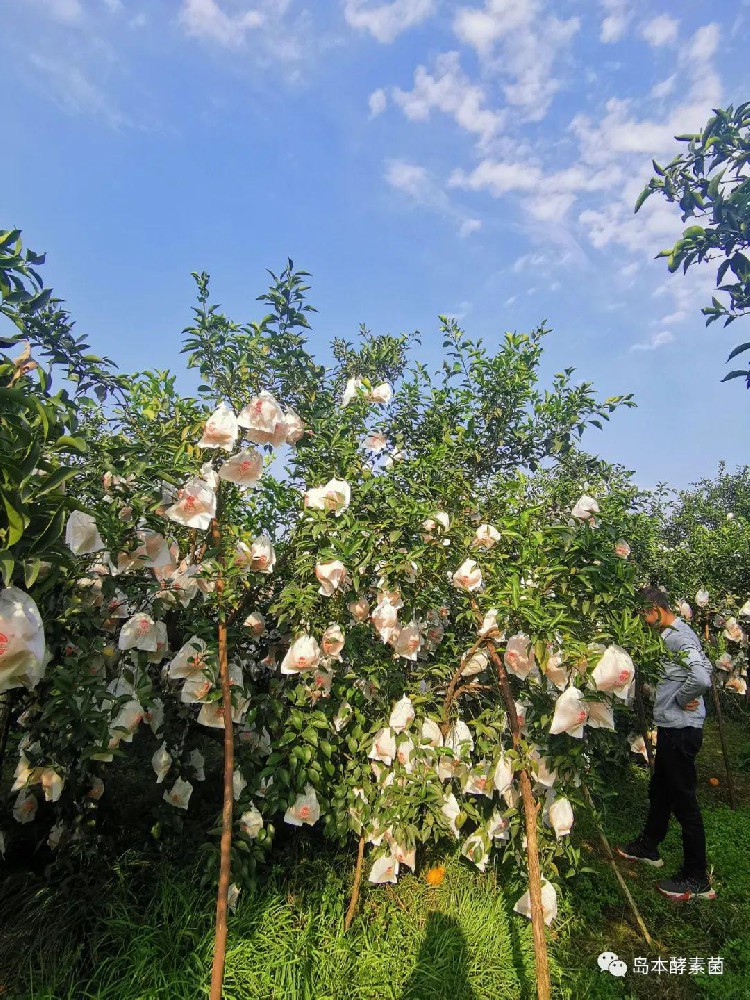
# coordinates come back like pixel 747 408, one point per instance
pixel 419 157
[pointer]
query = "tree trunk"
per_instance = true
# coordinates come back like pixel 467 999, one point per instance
pixel 530 809
pixel 220 938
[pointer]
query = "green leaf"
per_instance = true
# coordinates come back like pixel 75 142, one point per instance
pixel 55 479
pixel 31 571
pixel 68 443
pixel 40 301
pixel 713 186
pixel 15 522
pixel 6 566
pixel 739 350
pixel 645 193
pixel 51 533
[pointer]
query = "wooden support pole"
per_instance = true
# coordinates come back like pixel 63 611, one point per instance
pixel 641 715
pixel 722 734
pixel 225 864
pixel 357 882
pixel 530 809
pixel 722 737
pixel 613 864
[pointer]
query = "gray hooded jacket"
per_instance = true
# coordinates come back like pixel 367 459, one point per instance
pixel 686 677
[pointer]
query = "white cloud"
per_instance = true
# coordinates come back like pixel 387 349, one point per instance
pixel 704 43
pixel 483 28
pixel 688 293
pixel 498 178
pixel 410 178
pixel 660 30
pixel 387 21
pixel 417 183
pixel 377 102
pixel 671 318
pixel 615 24
pixel 547 197
pixel 654 342
pixel 529 261
pixel 551 207
pixel 621 140
pixel 655 227
pixel 520 40
pixel 463 309
pixel 664 88
pixel 553 194
pixel 206 19
pixel 469 226
pixel 267 30
pixel 619 132
pixel 449 90
pixel 542 262
pixel 69 11
pixel 74 92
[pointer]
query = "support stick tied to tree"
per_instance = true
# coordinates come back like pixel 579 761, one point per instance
pixel 357 883
pixel 530 809
pixel 220 938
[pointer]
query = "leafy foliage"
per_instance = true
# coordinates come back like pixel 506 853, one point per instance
pixel 710 182
pixel 478 441
pixel 41 446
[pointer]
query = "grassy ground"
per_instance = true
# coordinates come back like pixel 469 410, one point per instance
pixel 409 942
pixel 143 932
pixel 602 921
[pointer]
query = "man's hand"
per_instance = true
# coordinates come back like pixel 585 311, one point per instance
pixel 693 705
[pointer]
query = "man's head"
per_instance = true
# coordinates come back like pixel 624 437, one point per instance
pixel 654 605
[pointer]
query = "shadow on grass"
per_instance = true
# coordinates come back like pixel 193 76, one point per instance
pixel 528 987
pixel 442 967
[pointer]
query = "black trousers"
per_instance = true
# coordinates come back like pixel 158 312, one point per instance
pixel 673 791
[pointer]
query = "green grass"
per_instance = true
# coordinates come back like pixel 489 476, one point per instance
pixel 410 941
pixel 602 919
pixel 143 931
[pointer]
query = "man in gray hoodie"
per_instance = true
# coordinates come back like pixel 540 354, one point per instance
pixel 679 713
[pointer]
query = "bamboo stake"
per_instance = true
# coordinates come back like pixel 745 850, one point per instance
pixel 610 856
pixel 722 737
pixel 530 808
pixel 722 734
pixel 357 882
pixel 641 714
pixel 220 938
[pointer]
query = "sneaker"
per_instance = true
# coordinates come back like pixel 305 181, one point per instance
pixel 683 887
pixel 636 850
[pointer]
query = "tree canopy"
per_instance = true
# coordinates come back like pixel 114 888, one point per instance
pixel 711 183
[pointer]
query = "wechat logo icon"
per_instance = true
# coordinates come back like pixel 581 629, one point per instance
pixel 609 962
